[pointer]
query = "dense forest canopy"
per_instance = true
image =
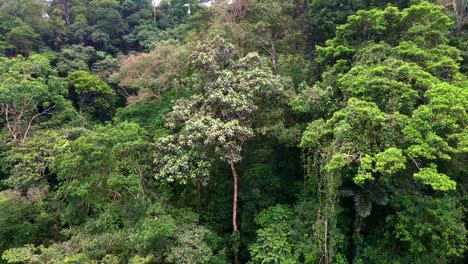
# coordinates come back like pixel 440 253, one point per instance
pixel 242 131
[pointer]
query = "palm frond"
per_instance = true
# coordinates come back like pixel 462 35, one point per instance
pixel 376 194
pixel 347 193
pixel 362 204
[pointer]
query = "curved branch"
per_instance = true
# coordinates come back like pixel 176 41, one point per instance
pixel 32 120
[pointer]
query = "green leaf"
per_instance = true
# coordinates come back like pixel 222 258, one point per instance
pixel 438 181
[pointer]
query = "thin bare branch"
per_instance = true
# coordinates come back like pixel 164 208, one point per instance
pixel 32 120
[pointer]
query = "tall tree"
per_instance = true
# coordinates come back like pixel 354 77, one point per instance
pixel 382 111
pixel 16 37
pixel 459 8
pixel 277 23
pixel 146 76
pixel 92 96
pixel 219 119
pixel 29 91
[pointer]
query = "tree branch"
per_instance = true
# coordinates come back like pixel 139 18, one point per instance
pixel 7 119
pixel 32 120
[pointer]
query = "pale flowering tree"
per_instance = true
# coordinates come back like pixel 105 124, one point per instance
pixel 217 121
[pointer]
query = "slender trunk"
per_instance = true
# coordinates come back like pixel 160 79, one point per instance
pixel 140 179
pixel 325 244
pixel 198 197
pixel 28 128
pixel 274 58
pixel 82 98
pixel 66 12
pixel 357 241
pixel 234 207
pixel 7 120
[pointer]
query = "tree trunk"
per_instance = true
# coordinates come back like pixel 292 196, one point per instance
pixel 274 58
pixel 325 235
pixel 66 11
pixel 234 207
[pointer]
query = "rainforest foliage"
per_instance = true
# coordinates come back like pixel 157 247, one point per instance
pixel 244 131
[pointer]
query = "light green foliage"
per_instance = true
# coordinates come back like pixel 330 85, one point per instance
pixel 17 255
pixel 438 181
pixel 190 246
pixel 354 130
pixel 387 82
pixel 94 96
pixel 425 25
pixel 31 92
pixel 365 170
pixel 433 125
pixel 101 170
pixel 273 244
pixel 396 73
pixel 387 163
pixel 30 160
pixel 85 83
pixel 382 109
pixel 22 84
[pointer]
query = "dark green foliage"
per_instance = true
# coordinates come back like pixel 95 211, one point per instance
pixel 294 131
pixel 97 169
pixel 151 115
pixel 16 36
pixel 429 229
pixel 23 220
pixel 29 162
pixel 74 58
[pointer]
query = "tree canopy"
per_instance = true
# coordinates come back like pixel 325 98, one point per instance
pixel 243 131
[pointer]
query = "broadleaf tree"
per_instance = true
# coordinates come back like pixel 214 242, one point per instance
pixel 219 119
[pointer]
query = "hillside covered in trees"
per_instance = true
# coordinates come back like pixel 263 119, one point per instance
pixel 242 131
